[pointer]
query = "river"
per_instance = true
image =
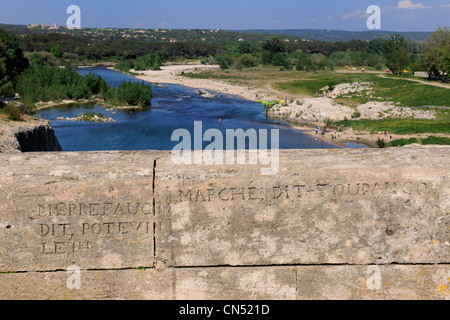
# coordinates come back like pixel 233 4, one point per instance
pixel 173 107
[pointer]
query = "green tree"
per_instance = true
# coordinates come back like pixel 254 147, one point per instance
pixel 134 93
pixel 436 52
pixel 244 47
pixel 151 61
pixel 274 52
pixel 446 67
pixel 56 51
pixel 12 60
pixel 274 45
pixel 224 61
pixel 248 60
pixel 300 66
pixel 7 90
pixel 376 46
pixel 281 59
pixel 396 54
pixel 124 66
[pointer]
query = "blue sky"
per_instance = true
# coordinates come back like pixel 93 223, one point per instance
pixel 397 15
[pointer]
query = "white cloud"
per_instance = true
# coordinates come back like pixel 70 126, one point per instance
pixel 445 6
pixel 407 4
pixel 357 14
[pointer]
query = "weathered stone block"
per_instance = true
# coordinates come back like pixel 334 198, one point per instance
pixel 93 210
pixel 324 227
pixel 92 285
pixel 268 283
pixel 386 282
pixel 323 207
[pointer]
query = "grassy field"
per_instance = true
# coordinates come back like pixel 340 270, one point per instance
pixel 398 126
pixel 407 93
pixel 293 82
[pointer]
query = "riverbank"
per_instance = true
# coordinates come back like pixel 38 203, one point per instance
pixel 351 135
pixel 315 111
pixel 173 74
pixel 176 74
pixel 341 138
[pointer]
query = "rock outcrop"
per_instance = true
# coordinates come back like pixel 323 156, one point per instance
pixel 320 110
pixel 30 136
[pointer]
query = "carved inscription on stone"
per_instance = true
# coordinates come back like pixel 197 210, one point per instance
pixel 89 222
pixel 92 210
pixel 345 210
pixel 302 190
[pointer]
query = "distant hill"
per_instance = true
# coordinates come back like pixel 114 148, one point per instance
pixel 152 35
pixel 12 26
pixel 339 35
pixel 212 36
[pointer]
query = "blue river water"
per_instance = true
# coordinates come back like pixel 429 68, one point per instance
pixel 173 107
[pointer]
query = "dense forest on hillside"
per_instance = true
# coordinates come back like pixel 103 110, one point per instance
pixel 65 49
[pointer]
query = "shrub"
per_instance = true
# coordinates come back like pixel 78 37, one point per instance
pixel 124 66
pixel 27 108
pixel 281 59
pixel 436 140
pixel 378 67
pixel 402 142
pixel 332 86
pixel 248 60
pixel 224 62
pixel 381 143
pixel 134 94
pixel 13 112
pixel 152 61
pixel 7 90
pixel 356 115
pixel 56 51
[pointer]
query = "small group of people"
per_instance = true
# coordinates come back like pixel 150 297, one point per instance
pixel 386 133
pixel 322 131
pixel 324 94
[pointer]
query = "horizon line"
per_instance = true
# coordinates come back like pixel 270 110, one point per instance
pixel 231 30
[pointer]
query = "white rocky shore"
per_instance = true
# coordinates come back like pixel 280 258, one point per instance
pixel 324 107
